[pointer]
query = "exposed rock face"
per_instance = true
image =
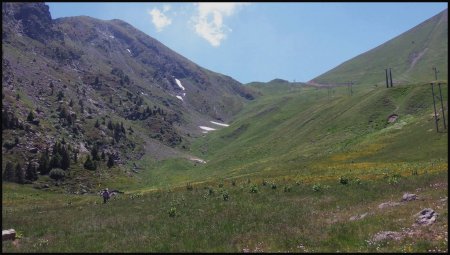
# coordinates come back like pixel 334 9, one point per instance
pixel 426 217
pixel 34 20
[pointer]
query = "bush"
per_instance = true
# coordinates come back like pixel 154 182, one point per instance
pixel 172 212
pixel 253 189
pixel 343 180
pixel 57 174
pixel 220 185
pixel 287 188
pixel 225 195
pixel 273 186
pixel 189 186
pixel 264 183
pixel 357 181
pixel 317 188
pixel 233 182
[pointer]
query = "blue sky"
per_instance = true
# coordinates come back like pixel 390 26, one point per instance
pixel 264 41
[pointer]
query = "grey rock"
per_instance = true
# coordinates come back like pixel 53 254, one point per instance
pixel 426 217
pixel 409 197
pixel 388 204
pixel 33 150
pixel 358 217
pixel 385 235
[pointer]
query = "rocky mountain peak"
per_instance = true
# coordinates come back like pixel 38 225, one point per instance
pixel 30 19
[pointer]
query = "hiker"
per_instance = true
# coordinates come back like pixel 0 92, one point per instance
pixel 105 195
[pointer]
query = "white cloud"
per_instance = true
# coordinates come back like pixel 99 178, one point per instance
pixel 159 19
pixel 166 8
pixel 208 22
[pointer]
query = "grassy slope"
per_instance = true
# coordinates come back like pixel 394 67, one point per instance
pixel 429 38
pixel 271 220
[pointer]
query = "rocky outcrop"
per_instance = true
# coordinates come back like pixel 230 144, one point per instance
pixel 409 197
pixel 33 19
pixel 426 217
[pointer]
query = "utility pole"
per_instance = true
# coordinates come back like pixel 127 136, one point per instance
pixel 442 106
pixel 387 80
pixel 390 74
pixel 435 73
pixel 434 104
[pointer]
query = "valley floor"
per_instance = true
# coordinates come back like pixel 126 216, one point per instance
pixel 243 215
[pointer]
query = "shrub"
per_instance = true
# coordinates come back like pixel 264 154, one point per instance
pixel 264 183
pixel 343 180
pixel 233 182
pixel 225 195
pixel 287 188
pixel 317 187
pixel 210 191
pixel 189 186
pixel 57 174
pixel 172 212
pixel 220 185
pixel 273 186
pixel 253 189
pixel 357 181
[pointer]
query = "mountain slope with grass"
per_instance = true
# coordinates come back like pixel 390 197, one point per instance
pixel 411 57
pixel 95 85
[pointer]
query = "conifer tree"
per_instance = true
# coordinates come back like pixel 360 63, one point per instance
pixel 20 175
pixel 9 175
pixel 31 172
pixel 110 161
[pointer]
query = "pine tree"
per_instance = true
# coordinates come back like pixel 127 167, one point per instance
pixel 110 161
pixel 9 175
pixel 44 165
pixel 31 173
pixel 55 162
pixel 65 159
pixel 110 125
pixel 30 116
pixel 94 152
pixel 89 164
pixel 20 175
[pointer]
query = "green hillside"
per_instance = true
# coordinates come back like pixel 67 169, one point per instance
pixel 411 55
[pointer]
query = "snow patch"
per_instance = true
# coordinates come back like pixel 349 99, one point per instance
pixel 179 83
pixel 220 124
pixel 111 36
pixel 180 98
pixel 129 50
pixel 206 128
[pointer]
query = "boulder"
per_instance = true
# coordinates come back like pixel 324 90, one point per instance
pixel 358 217
pixel 387 204
pixel 9 234
pixel 426 217
pixel 409 197
pixel 385 235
